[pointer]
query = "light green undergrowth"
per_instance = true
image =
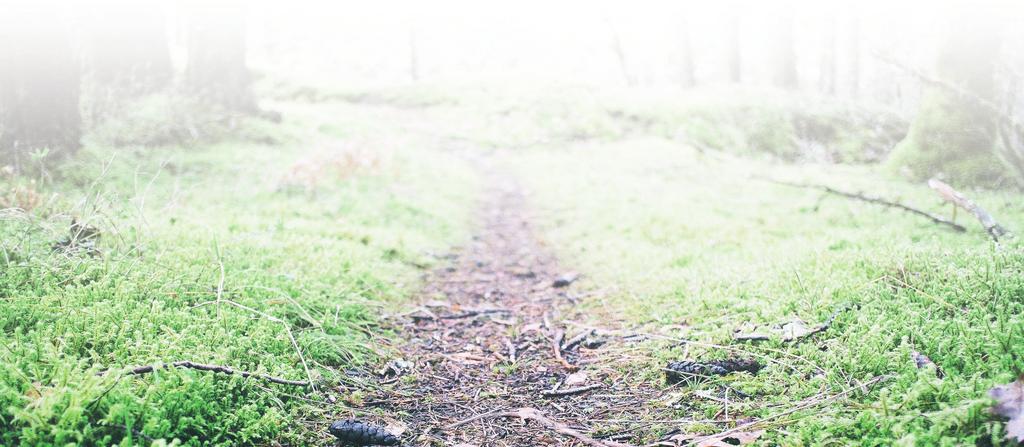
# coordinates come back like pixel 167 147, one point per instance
pixel 698 246
pixel 184 227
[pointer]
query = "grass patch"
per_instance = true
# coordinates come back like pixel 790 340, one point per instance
pixel 324 261
pixel 694 247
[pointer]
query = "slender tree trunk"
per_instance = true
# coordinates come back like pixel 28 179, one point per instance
pixel 687 78
pixel 125 53
pixel 853 55
pixel 827 78
pixel 216 70
pixel 735 61
pixel 39 83
pixel 127 46
pixel 954 132
pixel 785 53
pixel 414 60
pixel 620 54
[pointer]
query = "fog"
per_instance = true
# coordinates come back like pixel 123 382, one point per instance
pixel 478 223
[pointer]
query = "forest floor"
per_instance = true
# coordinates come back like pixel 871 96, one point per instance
pixel 398 249
pixel 496 334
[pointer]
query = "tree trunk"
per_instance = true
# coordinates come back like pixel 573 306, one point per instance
pixel 216 70
pixel 620 54
pixel 853 55
pixel 735 61
pixel 127 46
pixel 954 132
pixel 126 53
pixel 414 59
pixel 687 78
pixel 827 75
pixel 39 83
pixel 785 53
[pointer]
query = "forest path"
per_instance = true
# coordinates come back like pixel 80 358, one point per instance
pixel 496 331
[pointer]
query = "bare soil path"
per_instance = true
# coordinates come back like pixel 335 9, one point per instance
pixel 493 355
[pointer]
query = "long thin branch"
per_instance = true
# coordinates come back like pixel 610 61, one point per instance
pixel 284 324
pixel 953 196
pixel 535 415
pixel 877 201
pixel 570 391
pixel 146 369
pixel 556 347
pixel 992 107
pixel 812 403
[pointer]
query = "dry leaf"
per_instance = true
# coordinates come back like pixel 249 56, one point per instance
pixel 739 438
pixel 719 440
pixel 794 330
pixel 436 303
pixel 1010 404
pixel 396 428
pixel 576 379
pixel 530 327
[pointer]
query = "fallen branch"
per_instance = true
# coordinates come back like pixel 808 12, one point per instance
pixel 572 342
pixel 532 414
pixel 798 332
pixel 808 404
pixel 570 391
pixel 878 201
pixel 146 369
pixel 953 196
pixel 284 324
pixel 475 312
pixel 556 346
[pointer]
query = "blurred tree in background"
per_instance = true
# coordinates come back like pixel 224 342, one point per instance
pixel 126 53
pixel 954 131
pixel 785 74
pixel 216 70
pixel 39 83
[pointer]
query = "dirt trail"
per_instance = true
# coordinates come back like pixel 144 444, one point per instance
pixel 483 342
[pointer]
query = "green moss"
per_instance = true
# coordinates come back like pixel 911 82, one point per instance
pixel 693 248
pixel 952 140
pixel 324 262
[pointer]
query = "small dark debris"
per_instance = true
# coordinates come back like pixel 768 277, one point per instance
pixel 81 237
pixel 355 433
pixel 684 370
pixel 922 361
pixel 565 280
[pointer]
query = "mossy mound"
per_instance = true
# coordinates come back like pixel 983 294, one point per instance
pixel 951 140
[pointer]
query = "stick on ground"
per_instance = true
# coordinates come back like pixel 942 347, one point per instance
pixel 570 391
pixel 146 369
pixel 556 347
pixel 532 414
pixel 878 201
pixel 953 196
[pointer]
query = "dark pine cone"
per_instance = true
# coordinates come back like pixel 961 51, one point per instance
pixel 355 433
pixel 682 370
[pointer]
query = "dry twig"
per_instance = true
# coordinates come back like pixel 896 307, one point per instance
pixel 556 346
pixel 535 415
pixel 953 196
pixel 145 369
pixel 572 342
pixel 570 391
pixel 796 336
pixel 803 406
pixel 876 200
